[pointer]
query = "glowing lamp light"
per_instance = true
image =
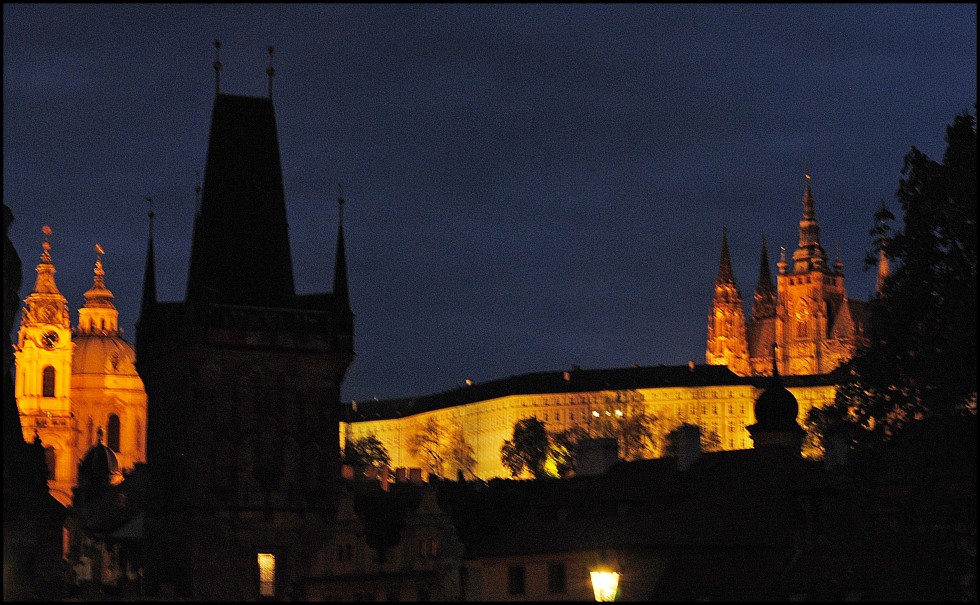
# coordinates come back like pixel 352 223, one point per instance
pixel 605 584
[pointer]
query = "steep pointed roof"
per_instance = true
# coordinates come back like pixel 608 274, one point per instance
pixel 241 253
pixel 809 254
pixel 725 275
pixel 341 291
pixel 45 283
pixel 764 304
pixel 149 275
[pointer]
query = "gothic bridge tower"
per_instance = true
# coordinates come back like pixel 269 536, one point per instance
pixel 243 379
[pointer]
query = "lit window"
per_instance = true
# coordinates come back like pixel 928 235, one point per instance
pixel 267 574
pixel 47 382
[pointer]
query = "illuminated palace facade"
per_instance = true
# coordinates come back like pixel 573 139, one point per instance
pixel 74 386
pixel 806 321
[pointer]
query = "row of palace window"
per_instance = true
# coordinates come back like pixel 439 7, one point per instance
pixel 517 579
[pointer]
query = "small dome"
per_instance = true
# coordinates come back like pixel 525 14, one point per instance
pixel 103 354
pixel 99 468
pixel 776 408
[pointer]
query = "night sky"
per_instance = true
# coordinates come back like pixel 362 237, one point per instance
pixel 528 186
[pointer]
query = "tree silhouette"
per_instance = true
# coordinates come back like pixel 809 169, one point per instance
pixel 919 361
pixel 459 455
pixel 364 452
pixel 427 446
pixel 623 416
pixel 528 449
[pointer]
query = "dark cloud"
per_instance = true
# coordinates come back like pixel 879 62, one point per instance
pixel 528 186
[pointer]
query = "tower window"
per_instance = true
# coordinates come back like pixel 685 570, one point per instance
pixel 47 382
pixel 113 438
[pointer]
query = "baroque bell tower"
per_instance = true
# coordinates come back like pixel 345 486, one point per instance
pixel 43 356
pixel 243 379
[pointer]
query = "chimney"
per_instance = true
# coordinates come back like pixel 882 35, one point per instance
pixel 401 475
pixel 415 475
pixel 385 478
pixel 596 456
pixel 688 442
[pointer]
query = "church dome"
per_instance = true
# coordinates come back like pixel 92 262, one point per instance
pixel 103 354
pixel 776 408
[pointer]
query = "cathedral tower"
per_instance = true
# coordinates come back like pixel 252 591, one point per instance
pixel 727 342
pixel 243 379
pixel 815 330
pixel 42 358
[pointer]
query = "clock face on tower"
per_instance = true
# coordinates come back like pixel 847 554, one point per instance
pixel 49 339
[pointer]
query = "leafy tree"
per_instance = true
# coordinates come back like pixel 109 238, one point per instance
pixel 364 452
pixel 919 360
pixel 426 445
pixel 528 449
pixel 623 416
pixel 564 445
pixel 459 454
pixel 710 440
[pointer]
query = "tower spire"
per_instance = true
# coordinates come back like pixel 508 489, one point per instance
pixel 45 283
pixel 340 286
pixel 810 254
pixel 764 304
pixel 725 267
pixel 149 273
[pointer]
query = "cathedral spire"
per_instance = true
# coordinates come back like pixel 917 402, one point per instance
pixel 764 304
pixel 725 267
pixel 810 254
pixel 340 288
pixel 149 273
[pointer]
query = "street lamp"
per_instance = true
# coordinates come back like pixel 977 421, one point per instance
pixel 605 578
pixel 605 583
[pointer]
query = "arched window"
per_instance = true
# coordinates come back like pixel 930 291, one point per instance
pixel 49 459
pixel 47 382
pixel 113 439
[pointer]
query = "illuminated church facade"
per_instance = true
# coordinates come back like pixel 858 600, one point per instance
pixel 74 385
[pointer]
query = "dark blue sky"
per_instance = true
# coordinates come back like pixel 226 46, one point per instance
pixel 529 186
